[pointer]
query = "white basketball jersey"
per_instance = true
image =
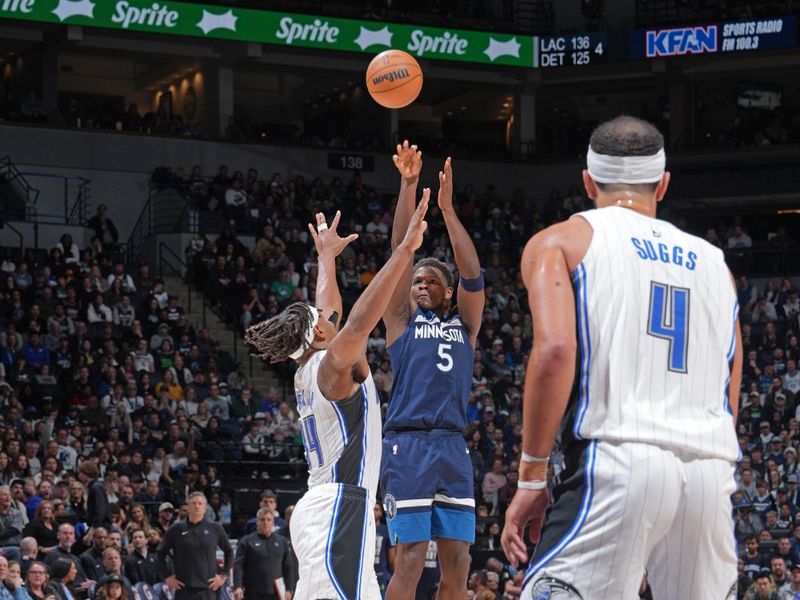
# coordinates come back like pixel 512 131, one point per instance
pixel 342 440
pixel 656 313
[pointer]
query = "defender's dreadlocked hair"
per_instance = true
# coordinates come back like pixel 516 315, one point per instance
pixel 274 340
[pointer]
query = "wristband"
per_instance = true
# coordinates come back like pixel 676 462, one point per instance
pixel 534 459
pixel 472 285
pixel 532 485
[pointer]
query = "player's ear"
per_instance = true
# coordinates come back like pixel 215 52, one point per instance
pixel 661 188
pixel 589 185
pixel 448 293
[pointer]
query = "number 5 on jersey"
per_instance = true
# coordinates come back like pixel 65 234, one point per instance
pixel 668 319
pixel 447 361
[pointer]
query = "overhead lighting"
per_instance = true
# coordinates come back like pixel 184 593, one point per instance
pixel 463 108
pixel 506 104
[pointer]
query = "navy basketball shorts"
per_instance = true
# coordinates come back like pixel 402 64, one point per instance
pixel 426 479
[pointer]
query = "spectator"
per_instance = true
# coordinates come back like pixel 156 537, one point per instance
pixel 113 588
pixel 66 539
pixel 104 228
pixel 791 590
pixel 29 552
pixel 112 569
pixel 62 575
pixel 11 587
pixel 263 556
pixel 36 581
pixel 92 559
pixel 141 565
pixel 98 513
pixel 43 527
pixel 11 524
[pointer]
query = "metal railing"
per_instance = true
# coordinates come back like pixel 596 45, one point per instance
pixel 10 174
pixel 166 211
pixel 167 257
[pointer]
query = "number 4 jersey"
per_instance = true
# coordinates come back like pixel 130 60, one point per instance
pixel 656 314
pixel 342 440
pixel 432 364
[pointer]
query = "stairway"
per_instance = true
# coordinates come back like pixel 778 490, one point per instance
pixel 263 377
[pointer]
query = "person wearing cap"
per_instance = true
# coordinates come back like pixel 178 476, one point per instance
pixel 193 545
pixel 112 568
pixel 791 589
pixel 166 513
pixel 113 588
pixel 263 557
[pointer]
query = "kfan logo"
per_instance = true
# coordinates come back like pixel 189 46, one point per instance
pixel 678 42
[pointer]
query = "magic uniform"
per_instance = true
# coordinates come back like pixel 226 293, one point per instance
pixel 426 474
pixel 333 526
pixel 649 438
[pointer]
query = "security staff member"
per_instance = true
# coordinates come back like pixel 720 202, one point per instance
pixel 193 543
pixel 262 557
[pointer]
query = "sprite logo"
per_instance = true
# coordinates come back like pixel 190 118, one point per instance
pixel 23 6
pixel 317 31
pixel 447 43
pixel 159 15
pixel 390 77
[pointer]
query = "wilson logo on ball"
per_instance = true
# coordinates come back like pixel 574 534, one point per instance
pixel 390 77
pixel 394 79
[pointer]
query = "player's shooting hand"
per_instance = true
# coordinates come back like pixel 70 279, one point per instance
pixel 446 186
pixel 216 582
pixel 417 226
pixel 408 161
pixel 527 507
pixel 174 583
pixel 327 241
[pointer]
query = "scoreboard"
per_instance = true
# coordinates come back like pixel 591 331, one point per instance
pixel 571 50
pixel 582 49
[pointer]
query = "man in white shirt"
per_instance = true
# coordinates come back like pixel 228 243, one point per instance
pixel 791 379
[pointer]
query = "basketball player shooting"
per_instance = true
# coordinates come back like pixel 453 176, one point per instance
pixel 648 433
pixel 333 526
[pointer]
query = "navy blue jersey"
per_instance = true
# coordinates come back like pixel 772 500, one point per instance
pixel 432 364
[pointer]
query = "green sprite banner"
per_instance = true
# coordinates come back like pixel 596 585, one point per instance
pixel 246 25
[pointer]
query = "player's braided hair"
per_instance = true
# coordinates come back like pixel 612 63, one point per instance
pixel 275 339
pixel 626 136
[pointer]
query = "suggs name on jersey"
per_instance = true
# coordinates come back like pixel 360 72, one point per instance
pixel 647 250
pixel 437 331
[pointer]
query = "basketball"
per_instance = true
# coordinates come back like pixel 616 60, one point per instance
pixel 394 79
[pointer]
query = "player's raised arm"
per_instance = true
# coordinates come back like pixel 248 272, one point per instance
pixel 346 354
pixel 548 381
pixel 408 161
pixel 471 297
pixel 329 245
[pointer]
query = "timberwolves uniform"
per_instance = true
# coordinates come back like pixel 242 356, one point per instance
pixel 649 439
pixel 426 473
pixel 333 526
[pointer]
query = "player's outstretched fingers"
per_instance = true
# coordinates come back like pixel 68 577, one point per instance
pixel 336 218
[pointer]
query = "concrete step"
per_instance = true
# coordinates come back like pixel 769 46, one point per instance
pixel 262 379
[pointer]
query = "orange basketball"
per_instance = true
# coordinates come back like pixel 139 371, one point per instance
pixel 394 79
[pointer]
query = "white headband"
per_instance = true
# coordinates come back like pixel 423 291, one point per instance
pixel 309 335
pixel 626 169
